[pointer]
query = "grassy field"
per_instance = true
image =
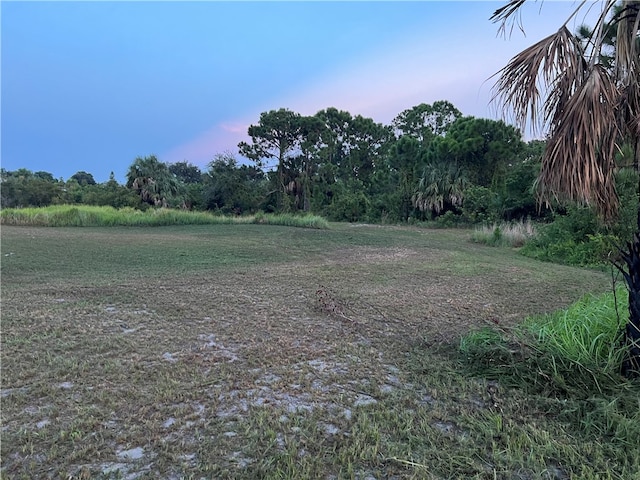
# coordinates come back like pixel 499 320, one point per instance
pixel 258 351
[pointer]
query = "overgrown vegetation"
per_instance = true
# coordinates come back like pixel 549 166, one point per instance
pixel 86 216
pixel 572 356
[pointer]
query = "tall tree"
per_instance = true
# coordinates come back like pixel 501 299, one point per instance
pixel 424 121
pixel 233 188
pixel 277 138
pixel 83 178
pixel 481 146
pixel 185 172
pixel 590 109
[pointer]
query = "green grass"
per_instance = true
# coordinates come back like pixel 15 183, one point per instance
pixel 573 350
pixel 247 351
pixel 91 216
pixel 572 356
pixel 587 333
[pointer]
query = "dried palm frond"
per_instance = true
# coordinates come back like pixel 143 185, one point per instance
pixel 587 107
pixel 626 60
pixel 506 14
pixel 578 163
pixel 627 65
pixel 553 65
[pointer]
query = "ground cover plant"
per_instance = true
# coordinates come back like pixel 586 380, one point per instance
pixel 245 351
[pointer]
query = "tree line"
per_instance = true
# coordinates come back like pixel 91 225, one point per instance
pixel 430 161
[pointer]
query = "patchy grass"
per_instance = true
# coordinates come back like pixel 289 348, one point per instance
pixel 239 351
pixel 92 216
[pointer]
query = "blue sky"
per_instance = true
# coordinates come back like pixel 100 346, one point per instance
pixel 92 85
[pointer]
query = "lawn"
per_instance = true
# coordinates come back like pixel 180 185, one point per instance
pixel 260 351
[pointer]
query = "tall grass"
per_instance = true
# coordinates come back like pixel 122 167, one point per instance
pixel 587 333
pixel 93 216
pixel 574 354
pixel 575 349
pixel 513 234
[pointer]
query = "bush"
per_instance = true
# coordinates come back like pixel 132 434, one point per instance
pixel 480 205
pixel 577 238
pixel 349 206
pixel 449 220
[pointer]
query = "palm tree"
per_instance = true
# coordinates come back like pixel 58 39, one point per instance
pixel 441 185
pixel 590 107
pixel 153 181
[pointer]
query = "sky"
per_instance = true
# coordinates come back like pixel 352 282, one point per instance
pixel 90 86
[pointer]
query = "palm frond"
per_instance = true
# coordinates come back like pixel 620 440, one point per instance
pixel 628 22
pixel 627 65
pixel 578 163
pixel 553 64
pixel 508 15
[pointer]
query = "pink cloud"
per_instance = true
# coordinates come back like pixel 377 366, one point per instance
pixel 200 150
pixel 235 127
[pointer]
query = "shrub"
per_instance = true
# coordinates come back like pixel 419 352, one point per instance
pixel 577 238
pixel 448 220
pixel 480 204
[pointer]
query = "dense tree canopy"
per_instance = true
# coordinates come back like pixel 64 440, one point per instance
pixel 333 163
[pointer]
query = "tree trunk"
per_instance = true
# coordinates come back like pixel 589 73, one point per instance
pixel 629 266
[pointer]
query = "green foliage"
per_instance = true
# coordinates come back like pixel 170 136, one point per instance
pixel 230 188
pixel 83 178
pixel 577 238
pixel 23 188
pixel 482 147
pixel 154 183
pixel 441 188
pixel 185 172
pixel 575 353
pixel 424 121
pixel 449 220
pixel 350 203
pixel 481 204
pixel 518 199
pixel 88 216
